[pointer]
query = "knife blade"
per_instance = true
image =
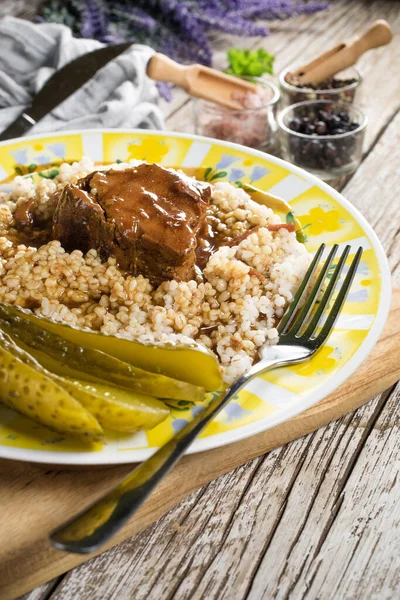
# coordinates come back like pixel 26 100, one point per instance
pixel 61 85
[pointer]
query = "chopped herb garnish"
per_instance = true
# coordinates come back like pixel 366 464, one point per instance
pixel 49 174
pixel 244 63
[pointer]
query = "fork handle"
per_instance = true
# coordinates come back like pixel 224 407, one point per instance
pixel 96 524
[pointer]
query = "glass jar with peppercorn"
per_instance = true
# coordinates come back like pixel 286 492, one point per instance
pixel 343 87
pixel 325 138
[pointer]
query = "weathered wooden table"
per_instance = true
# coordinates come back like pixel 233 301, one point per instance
pixel 320 517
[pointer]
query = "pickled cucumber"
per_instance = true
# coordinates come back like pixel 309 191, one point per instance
pixel 54 366
pixel 98 365
pixel 26 387
pixel 116 408
pixel 192 363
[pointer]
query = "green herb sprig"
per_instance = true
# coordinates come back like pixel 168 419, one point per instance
pixel 244 63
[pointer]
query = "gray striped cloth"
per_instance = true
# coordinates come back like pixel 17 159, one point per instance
pixel 120 95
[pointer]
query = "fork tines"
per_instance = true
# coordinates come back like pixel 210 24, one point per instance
pixel 302 324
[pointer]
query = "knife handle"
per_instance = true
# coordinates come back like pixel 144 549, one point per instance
pixel 21 125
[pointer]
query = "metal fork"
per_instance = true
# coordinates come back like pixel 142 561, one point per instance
pixel 302 331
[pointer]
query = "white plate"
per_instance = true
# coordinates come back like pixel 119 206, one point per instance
pixel 280 394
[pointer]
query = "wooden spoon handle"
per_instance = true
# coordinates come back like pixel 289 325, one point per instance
pixel 163 68
pixel 317 61
pixel 200 81
pixel 377 35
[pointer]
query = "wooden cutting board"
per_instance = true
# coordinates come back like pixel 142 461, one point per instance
pixel 36 498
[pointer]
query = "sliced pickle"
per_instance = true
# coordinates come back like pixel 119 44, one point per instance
pixel 28 388
pixel 95 363
pixel 116 408
pixel 193 363
pixel 54 366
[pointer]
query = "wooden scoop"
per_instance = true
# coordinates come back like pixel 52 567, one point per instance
pixel 200 81
pixel 343 55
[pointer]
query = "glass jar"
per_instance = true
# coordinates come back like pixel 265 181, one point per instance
pixel 291 94
pixel 326 156
pixel 251 126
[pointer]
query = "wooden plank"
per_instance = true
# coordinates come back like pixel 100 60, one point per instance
pixel 362 536
pixel 276 509
pixel 43 592
pixel 373 190
pixel 35 498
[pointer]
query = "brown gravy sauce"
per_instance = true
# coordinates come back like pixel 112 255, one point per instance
pixel 210 239
pixel 163 206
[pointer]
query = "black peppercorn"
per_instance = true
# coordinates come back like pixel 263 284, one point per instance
pixel 322 154
pixel 321 128
pixel 295 124
pixel 306 91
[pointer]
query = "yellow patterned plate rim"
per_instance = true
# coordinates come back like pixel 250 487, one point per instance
pixel 280 395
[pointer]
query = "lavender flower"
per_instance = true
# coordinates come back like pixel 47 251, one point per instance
pixel 178 28
pixel 95 21
pixel 165 90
